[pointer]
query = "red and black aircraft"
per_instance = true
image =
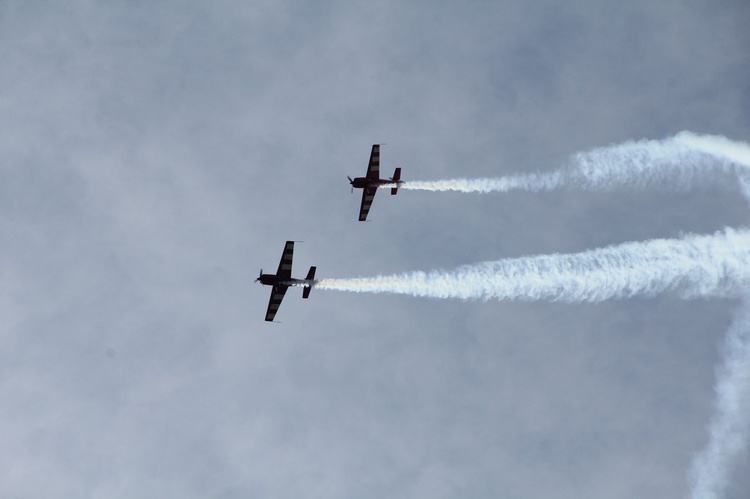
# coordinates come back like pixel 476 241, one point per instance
pixel 372 181
pixel 282 279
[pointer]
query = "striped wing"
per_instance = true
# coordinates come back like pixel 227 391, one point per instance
pixel 368 194
pixel 275 301
pixel 373 167
pixel 285 265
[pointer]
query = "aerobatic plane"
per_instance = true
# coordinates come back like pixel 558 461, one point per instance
pixel 372 181
pixel 282 279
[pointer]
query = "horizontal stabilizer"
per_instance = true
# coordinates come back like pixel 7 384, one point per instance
pixel 310 277
pixel 395 179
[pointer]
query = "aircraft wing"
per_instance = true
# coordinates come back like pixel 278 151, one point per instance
pixel 373 167
pixel 368 194
pixel 285 265
pixel 277 294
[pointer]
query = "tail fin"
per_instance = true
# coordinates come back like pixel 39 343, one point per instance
pixel 310 276
pixel 396 178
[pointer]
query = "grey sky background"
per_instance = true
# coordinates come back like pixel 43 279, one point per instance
pixel 154 157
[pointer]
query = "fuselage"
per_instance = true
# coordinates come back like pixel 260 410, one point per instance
pixel 364 182
pixel 273 280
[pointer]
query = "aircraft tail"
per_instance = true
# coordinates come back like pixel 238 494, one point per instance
pixel 396 177
pixel 310 276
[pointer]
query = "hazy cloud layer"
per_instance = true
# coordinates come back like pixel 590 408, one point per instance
pixel 154 157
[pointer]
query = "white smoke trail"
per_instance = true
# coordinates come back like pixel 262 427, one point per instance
pixel 730 426
pixel 718 146
pixel 691 267
pixel 679 163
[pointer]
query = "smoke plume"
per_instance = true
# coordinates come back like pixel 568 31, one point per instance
pixel 680 163
pixel 691 267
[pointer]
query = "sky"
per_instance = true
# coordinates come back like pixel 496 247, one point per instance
pixel 154 156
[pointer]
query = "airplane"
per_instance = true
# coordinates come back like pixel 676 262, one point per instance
pixel 282 279
pixel 370 183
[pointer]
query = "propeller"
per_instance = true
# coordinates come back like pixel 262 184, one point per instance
pixel 351 182
pixel 261 273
